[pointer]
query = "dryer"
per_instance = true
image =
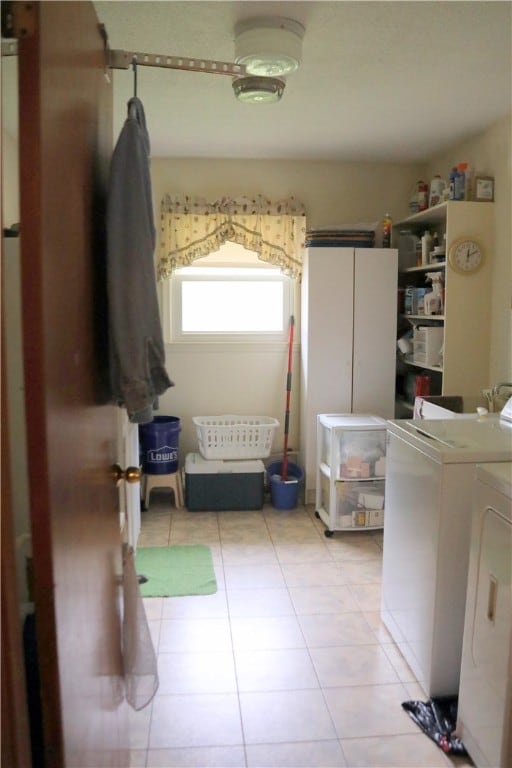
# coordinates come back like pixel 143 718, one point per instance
pixel 430 485
pixel 485 708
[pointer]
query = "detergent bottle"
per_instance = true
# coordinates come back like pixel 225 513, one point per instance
pixel 434 299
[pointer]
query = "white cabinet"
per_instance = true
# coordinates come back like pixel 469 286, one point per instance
pixel 348 339
pixel 464 366
pixel 351 466
pixel 485 707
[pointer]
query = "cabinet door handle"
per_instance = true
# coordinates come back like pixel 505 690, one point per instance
pixel 491 599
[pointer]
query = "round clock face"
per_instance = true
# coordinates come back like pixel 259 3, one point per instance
pixel 466 255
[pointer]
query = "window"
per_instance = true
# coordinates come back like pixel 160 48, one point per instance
pixel 228 296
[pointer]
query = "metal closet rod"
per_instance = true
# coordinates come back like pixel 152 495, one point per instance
pixel 119 59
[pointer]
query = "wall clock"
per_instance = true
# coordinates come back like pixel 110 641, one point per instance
pixel 466 255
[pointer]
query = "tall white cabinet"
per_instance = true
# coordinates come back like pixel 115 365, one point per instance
pixel 348 339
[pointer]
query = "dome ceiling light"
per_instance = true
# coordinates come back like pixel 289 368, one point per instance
pixel 269 49
pixel 257 90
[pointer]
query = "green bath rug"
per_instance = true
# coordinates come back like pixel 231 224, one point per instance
pixel 176 571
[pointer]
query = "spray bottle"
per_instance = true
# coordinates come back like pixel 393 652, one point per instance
pixel 434 299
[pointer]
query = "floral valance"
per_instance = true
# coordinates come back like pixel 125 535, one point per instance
pixel 191 228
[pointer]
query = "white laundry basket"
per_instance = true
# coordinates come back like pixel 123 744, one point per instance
pixel 235 437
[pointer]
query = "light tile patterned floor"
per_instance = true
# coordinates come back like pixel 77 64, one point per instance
pixel 288 664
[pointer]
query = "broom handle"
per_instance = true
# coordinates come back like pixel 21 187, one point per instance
pixel 284 468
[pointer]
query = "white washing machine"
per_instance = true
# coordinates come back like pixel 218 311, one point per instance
pixel 430 485
pixel 485 708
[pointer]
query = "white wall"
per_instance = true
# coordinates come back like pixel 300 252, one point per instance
pixel 490 153
pixel 333 193
pixel 215 380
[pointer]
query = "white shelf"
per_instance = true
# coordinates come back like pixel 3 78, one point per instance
pixel 425 267
pixel 434 215
pixel 423 317
pixel 401 403
pixel 436 368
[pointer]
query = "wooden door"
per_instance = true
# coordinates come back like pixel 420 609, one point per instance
pixel 65 148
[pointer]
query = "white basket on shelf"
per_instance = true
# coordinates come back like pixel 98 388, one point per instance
pixel 235 437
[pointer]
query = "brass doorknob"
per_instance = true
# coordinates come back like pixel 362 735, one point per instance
pixel 130 474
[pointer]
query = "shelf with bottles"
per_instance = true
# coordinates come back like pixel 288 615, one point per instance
pixel 415 379
pixel 422 297
pixel 464 314
pixel 444 221
pixel 421 240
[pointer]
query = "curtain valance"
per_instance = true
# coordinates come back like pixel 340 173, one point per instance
pixel 191 228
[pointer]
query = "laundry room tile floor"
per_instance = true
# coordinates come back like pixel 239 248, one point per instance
pixel 288 665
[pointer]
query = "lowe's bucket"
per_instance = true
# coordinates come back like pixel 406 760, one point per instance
pixel 159 441
pixel 284 493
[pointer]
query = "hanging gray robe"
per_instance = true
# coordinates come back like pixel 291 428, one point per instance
pixel 137 355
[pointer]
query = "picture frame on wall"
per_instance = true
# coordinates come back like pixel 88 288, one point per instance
pixel 484 188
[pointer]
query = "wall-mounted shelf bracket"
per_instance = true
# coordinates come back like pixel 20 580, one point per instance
pixel 119 59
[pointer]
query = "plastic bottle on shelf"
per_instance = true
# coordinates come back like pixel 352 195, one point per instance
pixel 422 188
pixel 452 180
pixel 422 385
pixel 410 300
pixel 468 183
pixel 460 181
pixel 426 247
pixel 413 202
pixel 387 223
pixel 434 299
pixel 437 186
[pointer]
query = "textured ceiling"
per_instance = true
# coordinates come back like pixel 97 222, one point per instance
pixel 379 81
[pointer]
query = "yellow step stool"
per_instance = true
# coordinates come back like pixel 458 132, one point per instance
pixel 172 481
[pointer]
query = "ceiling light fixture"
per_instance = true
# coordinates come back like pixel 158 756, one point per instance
pixel 270 46
pixel 258 90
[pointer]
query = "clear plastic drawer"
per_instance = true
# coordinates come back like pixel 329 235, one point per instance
pixel 354 454
pixel 358 504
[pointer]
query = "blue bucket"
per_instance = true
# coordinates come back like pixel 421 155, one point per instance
pixel 284 493
pixel 159 443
